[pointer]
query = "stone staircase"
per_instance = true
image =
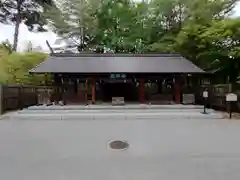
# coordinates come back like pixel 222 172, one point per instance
pixel 108 112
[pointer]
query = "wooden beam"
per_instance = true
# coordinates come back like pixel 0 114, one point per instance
pixel 50 48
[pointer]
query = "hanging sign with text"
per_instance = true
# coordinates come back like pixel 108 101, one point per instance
pixel 117 76
pixel 231 97
pixel 205 94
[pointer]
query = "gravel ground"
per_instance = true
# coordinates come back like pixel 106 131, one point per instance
pixel 165 149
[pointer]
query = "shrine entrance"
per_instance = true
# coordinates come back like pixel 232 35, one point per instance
pixel 77 89
pixel 127 90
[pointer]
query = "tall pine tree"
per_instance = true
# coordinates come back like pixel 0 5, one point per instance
pixel 28 12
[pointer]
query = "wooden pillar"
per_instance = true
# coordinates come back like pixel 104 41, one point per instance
pixel 86 92
pixel 64 100
pixel 142 90
pixel 177 86
pixel 93 90
pixel 55 97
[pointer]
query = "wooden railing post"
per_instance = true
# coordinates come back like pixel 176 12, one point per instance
pixel 20 93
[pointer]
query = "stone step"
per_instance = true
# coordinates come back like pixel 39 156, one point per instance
pixel 94 111
pixel 102 107
pixel 114 116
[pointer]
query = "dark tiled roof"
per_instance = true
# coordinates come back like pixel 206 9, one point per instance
pixel 116 63
pixel 90 54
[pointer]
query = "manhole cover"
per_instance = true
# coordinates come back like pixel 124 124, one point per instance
pixel 118 145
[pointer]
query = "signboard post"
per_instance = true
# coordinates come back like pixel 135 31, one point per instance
pixel 230 98
pixel 205 96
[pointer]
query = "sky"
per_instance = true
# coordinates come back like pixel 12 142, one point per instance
pixel 39 39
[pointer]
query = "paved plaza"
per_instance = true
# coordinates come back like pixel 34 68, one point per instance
pixel 159 149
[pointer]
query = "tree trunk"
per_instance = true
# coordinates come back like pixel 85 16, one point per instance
pixel 16 32
pixel 180 16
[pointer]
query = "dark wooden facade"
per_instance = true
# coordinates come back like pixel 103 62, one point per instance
pixel 142 78
pixel 141 88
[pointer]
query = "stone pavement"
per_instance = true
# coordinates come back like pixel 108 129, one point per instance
pixel 165 142
pixel 167 149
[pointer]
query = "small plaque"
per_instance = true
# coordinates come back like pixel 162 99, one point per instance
pixel 205 94
pixel 118 101
pixel 124 76
pixel 231 97
pixel 188 99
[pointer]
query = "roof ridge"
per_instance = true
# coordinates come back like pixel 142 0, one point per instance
pixel 117 55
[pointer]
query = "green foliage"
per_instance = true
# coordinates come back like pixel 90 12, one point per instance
pixel 74 19
pixel 14 68
pixel 213 47
pixel 201 30
pixel 116 30
pixel 5 46
pixel 28 11
pixel 190 43
pixel 223 40
pixel 133 26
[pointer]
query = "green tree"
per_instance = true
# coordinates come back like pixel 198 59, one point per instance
pixel 213 47
pixel 18 65
pixel 223 42
pixel 181 21
pixel 14 68
pixel 190 44
pixel 131 26
pixel 6 46
pixel 74 19
pixel 206 11
pixel 103 24
pixel 27 11
pixel 116 22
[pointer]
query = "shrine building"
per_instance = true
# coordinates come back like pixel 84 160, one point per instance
pixel 137 78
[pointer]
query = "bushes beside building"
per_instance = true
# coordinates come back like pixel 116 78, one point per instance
pixel 14 68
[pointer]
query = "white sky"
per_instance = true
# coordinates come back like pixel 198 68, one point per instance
pixel 7 31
